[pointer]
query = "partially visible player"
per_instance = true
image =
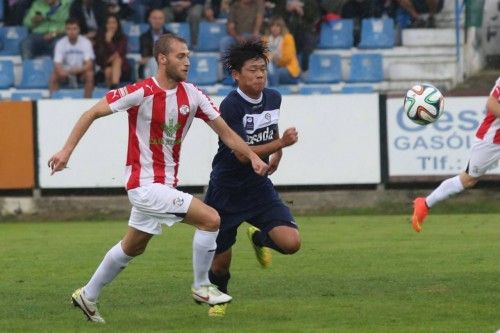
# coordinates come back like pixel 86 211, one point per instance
pixel 160 111
pixel 484 153
pixel 234 190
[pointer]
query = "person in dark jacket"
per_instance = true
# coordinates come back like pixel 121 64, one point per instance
pixel 90 15
pixel 156 20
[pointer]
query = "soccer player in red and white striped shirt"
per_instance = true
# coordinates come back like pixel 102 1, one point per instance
pixel 160 110
pixel 484 153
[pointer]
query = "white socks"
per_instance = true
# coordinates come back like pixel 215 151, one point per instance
pixel 204 246
pixel 113 263
pixel 446 189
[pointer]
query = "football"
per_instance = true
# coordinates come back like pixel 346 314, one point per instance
pixel 424 104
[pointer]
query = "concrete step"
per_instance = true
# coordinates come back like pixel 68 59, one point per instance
pixel 400 87
pixel 430 37
pixel 422 71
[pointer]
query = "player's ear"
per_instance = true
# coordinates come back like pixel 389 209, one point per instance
pixel 235 74
pixel 162 58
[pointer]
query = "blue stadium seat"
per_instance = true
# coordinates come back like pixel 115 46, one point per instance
pixel 357 90
pixel 133 69
pixel 26 96
pixel 180 28
pixel 336 34
pixel 210 34
pixel 315 90
pixel 67 93
pixel 99 92
pixel 203 69
pixel 11 38
pixel 133 44
pixel 283 90
pixel 366 68
pixel 377 34
pixel 133 32
pixel 324 68
pixel 224 90
pixel 36 73
pixel 6 74
pixel 228 80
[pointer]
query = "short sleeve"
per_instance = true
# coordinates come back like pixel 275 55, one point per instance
pixel 207 110
pixel 124 98
pixel 58 52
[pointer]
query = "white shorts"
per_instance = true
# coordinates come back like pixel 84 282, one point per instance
pixel 483 156
pixel 157 204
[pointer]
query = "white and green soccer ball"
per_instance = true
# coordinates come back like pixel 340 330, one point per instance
pixel 424 104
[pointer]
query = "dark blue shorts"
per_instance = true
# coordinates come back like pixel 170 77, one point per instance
pixel 264 217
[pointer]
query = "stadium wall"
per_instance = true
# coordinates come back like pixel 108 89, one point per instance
pixel 347 142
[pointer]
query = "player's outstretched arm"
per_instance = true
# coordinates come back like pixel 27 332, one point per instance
pixel 289 137
pixel 59 161
pixel 493 105
pixel 233 141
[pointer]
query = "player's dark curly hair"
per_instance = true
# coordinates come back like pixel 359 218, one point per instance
pixel 234 58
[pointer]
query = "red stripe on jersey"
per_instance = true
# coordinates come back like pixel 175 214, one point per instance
pixel 182 103
pixel 156 140
pixel 496 138
pixel 485 125
pixel 115 94
pixel 496 92
pixel 200 114
pixel 133 153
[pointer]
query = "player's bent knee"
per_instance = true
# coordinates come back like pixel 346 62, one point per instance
pixel 211 220
pixel 468 181
pixel 291 247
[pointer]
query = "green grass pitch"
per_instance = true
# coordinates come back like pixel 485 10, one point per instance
pixel 353 274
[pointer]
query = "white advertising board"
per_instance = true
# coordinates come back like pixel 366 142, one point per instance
pixel 338 144
pixel 441 148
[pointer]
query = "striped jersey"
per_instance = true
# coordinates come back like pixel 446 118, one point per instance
pixel 489 129
pixel 158 121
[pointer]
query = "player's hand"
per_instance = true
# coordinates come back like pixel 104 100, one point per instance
pixel 58 162
pixel 290 136
pixel 274 161
pixel 259 167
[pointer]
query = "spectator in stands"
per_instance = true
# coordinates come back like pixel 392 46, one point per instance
pixel 46 20
pixel 156 21
pixel 358 9
pixel 110 50
pixel 142 8
pixel 283 66
pixel 190 11
pixel 417 7
pixel 73 60
pixel 90 14
pixel 244 22
pixel 15 10
pixel 214 9
pixel 301 17
pixel 331 9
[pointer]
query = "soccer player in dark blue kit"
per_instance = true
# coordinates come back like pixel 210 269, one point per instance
pixel 235 191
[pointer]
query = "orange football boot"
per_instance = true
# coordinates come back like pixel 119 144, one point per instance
pixel 420 211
